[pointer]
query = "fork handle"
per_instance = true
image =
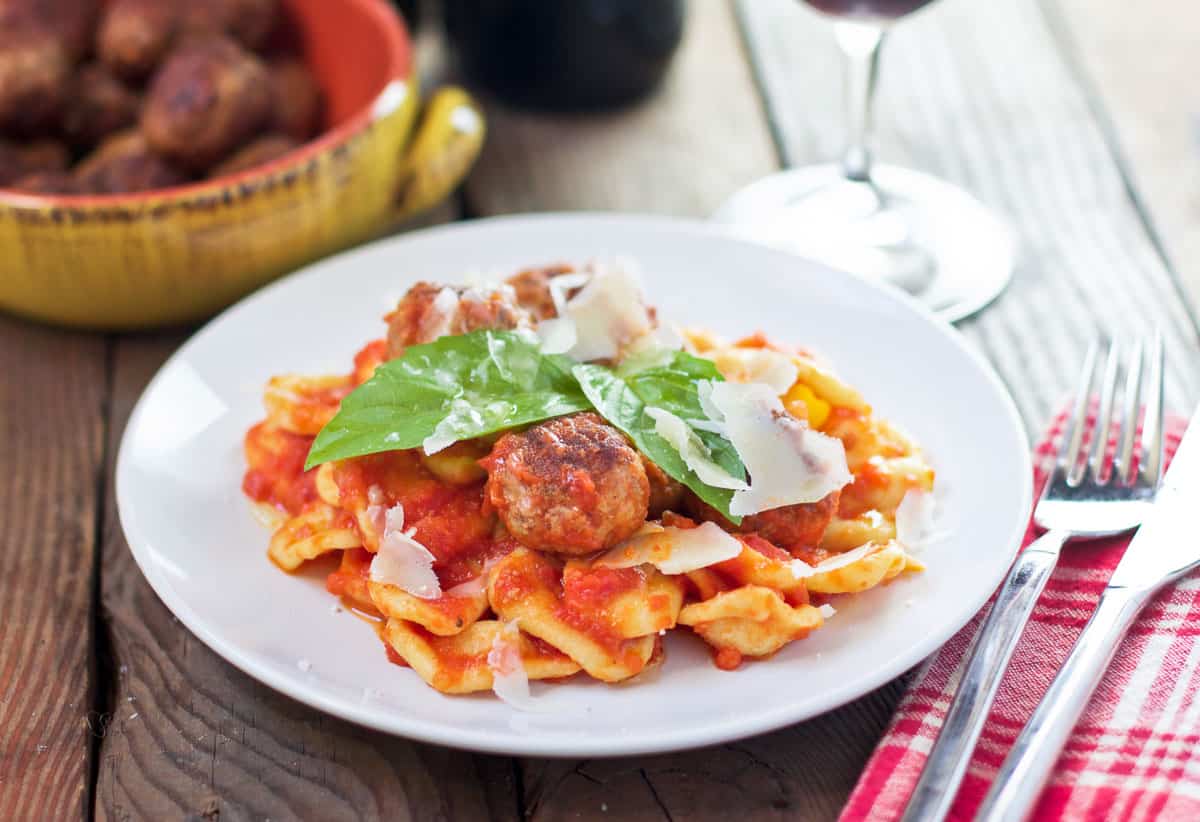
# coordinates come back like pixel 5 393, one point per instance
pixel 989 657
pixel 1020 780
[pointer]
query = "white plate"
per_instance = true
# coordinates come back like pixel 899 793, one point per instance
pixel 192 533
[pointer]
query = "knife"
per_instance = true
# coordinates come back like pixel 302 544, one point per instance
pixel 1163 549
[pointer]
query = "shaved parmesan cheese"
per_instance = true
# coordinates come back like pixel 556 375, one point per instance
pixel 462 423
pixel 802 570
pixel 914 518
pixel 402 561
pixel 509 678
pixel 557 335
pixel 692 450
pixel 673 550
pixel 772 368
pixel 827 611
pixel 439 319
pixel 608 313
pixel 787 461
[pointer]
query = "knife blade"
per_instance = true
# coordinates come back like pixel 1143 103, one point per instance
pixel 1167 545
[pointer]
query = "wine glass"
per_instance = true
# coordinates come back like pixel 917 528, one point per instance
pixel 910 229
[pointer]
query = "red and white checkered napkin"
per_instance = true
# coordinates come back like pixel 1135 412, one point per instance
pixel 1135 754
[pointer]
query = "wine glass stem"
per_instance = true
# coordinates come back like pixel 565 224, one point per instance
pixel 860 42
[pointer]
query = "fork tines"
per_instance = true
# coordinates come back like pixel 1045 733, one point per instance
pixel 1143 386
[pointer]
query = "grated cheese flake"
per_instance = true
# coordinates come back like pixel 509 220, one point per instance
pixel 788 462
pixel 692 450
pixel 746 365
pixel 672 550
pixel 402 561
pixel 607 314
pixel 827 611
pixel 914 518
pixel 509 678
pixel 802 570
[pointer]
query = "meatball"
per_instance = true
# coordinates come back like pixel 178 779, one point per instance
pixel 789 527
pixel 250 22
pixel 19 160
pixel 207 99
pixel 35 70
pixel 666 494
pixel 98 104
pixel 255 153
pixel 135 35
pixel 48 182
pixel 532 287
pixel 423 315
pixel 69 21
pixel 297 106
pixel 570 486
pixel 125 163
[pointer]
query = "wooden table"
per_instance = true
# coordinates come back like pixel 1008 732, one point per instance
pixel 108 706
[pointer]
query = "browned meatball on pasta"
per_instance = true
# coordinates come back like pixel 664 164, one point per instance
pixel 206 100
pixel 789 527
pixel 570 486
pixel 428 311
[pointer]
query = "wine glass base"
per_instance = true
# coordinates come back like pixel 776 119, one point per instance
pixel 910 229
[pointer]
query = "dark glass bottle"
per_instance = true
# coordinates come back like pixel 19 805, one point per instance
pixel 565 54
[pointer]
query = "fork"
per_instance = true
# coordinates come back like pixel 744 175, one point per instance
pixel 1080 501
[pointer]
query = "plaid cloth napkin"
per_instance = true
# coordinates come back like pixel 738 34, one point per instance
pixel 1135 754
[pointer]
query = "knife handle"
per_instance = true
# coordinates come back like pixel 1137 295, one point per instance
pixel 989 657
pixel 1031 761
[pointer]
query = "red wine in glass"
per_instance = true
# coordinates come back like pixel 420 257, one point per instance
pixel 877 9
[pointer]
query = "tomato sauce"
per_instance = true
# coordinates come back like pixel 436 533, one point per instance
pixel 276 474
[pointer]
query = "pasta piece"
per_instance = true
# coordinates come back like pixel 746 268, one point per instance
pixel 458 664
pixel 888 562
pixel 881 484
pixel 639 601
pixel 302 405
pixel 706 583
pixel 845 534
pixel 764 569
pixel 752 620
pixel 527 587
pixel 826 385
pixel 445 616
pixel 317 531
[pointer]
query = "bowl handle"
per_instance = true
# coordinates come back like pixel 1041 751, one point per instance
pixel 447 142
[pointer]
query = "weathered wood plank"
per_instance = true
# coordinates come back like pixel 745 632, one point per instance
pixel 700 138
pixel 189 736
pixel 52 414
pixel 982 95
pixel 1136 57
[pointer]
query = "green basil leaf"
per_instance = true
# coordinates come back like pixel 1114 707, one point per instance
pixel 461 386
pixel 622 396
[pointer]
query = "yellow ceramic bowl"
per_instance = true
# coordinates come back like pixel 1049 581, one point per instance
pixel 179 254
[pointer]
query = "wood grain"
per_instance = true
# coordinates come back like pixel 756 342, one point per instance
pixel 52 411
pixel 189 736
pixel 1136 57
pixel 682 151
pixel 981 94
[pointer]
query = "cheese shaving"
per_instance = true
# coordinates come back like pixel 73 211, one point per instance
pixel 672 550
pixel 470 588
pixel 692 450
pixel 462 423
pixel 510 681
pixel 802 570
pixel 827 611
pixel 788 462
pixel 914 518
pixel 439 319
pixel 745 365
pixel 402 561
pixel 607 314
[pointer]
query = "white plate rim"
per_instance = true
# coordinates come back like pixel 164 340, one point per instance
pixel 437 733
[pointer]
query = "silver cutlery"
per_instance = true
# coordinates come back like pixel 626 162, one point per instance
pixel 1079 502
pixel 1163 550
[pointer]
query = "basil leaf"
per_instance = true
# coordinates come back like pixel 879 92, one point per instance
pixel 622 396
pixel 461 387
